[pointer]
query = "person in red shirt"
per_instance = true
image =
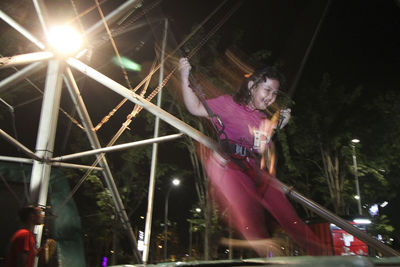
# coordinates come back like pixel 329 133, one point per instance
pixel 22 246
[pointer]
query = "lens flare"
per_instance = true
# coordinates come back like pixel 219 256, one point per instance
pixel 127 64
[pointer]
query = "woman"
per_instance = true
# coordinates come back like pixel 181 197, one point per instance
pixel 243 188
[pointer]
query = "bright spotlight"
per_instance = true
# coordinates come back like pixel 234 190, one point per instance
pixel 374 210
pixel 176 182
pixel 357 197
pixel 355 141
pixel 64 39
pixel 384 204
pixel 362 221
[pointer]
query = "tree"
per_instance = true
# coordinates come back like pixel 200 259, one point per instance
pixel 316 145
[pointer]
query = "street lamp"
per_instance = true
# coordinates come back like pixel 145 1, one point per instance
pixel 358 196
pixel 198 210
pixel 175 182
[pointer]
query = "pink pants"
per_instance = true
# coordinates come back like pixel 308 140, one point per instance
pixel 238 194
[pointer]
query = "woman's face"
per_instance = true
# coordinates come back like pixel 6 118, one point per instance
pixel 263 94
pixel 38 217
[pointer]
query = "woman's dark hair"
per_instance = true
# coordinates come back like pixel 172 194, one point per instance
pixel 243 95
pixel 25 212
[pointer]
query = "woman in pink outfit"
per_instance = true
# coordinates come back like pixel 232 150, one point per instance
pixel 244 187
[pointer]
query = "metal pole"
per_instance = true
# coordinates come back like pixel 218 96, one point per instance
pixel 45 138
pixel 131 96
pixel 94 141
pixel 330 217
pixel 16 159
pixel 166 223
pixel 46 132
pixel 356 180
pixel 55 164
pixel 20 146
pixel 10 108
pixel 20 75
pixel 111 18
pixel 152 181
pixel 75 166
pixel 190 238
pixel 118 147
pixel 7 62
pixel 21 30
pixel 42 14
pixel 308 51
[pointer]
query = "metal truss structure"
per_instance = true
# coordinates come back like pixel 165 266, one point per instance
pixel 58 71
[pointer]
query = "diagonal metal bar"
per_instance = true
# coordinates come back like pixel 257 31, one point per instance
pixel 10 108
pixel 20 146
pixel 329 216
pixel 118 147
pixel 125 92
pixel 6 62
pixel 112 17
pixel 21 30
pixel 41 12
pixel 20 75
pixel 95 143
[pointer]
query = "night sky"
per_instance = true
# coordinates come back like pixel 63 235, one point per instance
pixel 357 39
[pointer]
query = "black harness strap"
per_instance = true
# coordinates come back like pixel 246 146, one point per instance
pixel 238 154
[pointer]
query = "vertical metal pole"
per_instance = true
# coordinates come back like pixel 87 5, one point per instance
pixel 46 132
pixel 190 238
pixel 95 143
pixel 356 180
pixel 45 139
pixel 149 214
pixel 166 223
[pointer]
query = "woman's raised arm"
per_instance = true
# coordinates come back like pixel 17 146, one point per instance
pixel 192 102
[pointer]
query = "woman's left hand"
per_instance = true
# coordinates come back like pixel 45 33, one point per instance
pixel 284 117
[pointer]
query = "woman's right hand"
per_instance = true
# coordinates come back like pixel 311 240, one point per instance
pixel 184 67
pixel 284 117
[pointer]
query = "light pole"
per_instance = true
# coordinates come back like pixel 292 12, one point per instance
pixel 198 210
pixel 175 182
pixel 358 196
